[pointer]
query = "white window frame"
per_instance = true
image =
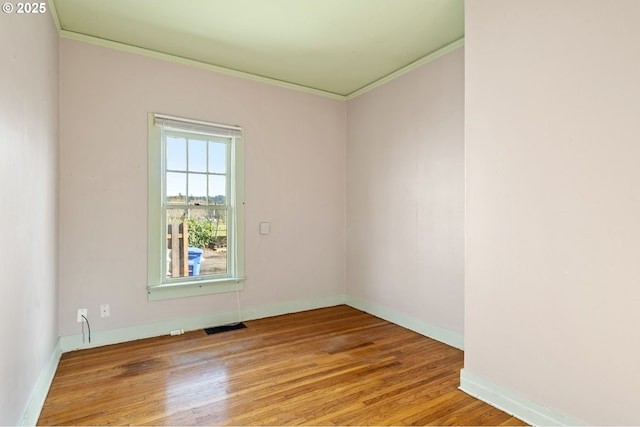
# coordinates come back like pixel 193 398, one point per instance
pixel 159 287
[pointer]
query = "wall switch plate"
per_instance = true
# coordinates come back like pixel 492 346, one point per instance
pixel 265 227
pixel 81 312
pixel 105 311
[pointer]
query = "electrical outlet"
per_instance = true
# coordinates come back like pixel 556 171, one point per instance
pixel 81 312
pixel 105 311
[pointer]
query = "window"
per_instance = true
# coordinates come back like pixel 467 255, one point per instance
pixel 195 208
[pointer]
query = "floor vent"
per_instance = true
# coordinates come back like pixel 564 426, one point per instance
pixel 225 328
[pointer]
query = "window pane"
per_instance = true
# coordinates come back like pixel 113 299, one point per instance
pixel 176 265
pixel 217 157
pixel 217 189
pixel 208 233
pixel 177 215
pixel 197 155
pixel 176 188
pixel 176 153
pixel 205 252
pixel 215 259
pixel 197 189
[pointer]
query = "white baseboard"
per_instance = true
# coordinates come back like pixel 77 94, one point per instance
pixel 454 339
pixel 39 393
pixel 131 333
pixel 513 403
pixel 286 307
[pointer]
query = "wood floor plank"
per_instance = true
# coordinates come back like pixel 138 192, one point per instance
pixel 333 366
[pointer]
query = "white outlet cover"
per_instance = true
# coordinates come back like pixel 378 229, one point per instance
pixel 104 310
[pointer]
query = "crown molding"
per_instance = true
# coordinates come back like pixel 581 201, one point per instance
pixel 428 58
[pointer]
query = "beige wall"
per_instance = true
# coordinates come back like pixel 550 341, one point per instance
pixel 28 211
pixel 405 194
pixel 295 163
pixel 552 205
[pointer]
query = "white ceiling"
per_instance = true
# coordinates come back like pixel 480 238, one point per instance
pixel 334 46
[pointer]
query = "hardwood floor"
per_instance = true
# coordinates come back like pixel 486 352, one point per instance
pixel 333 366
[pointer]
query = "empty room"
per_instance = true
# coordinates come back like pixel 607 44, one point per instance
pixel 320 212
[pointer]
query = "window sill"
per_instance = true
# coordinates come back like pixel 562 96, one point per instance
pixel 195 288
